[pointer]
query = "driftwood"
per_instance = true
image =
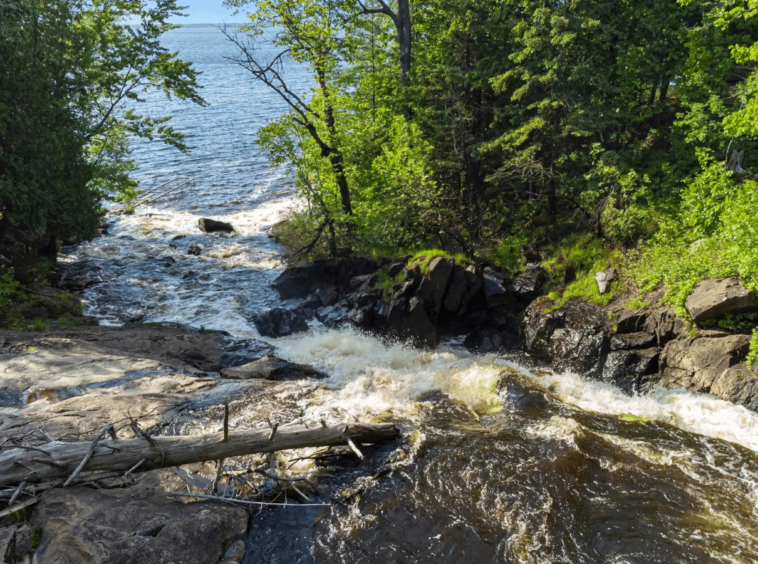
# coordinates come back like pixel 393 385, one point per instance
pixel 66 460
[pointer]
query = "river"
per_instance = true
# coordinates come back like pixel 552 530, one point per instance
pixel 499 463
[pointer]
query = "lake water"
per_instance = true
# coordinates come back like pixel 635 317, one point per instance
pixel 498 464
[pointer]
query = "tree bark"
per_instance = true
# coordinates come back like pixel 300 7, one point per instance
pixel 404 31
pixel 58 460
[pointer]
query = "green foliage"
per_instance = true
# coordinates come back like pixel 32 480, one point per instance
pixel 753 353
pixel 742 323
pixel 36 537
pixel 41 324
pixel 8 286
pixel 636 304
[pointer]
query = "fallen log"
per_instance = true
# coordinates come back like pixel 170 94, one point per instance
pixel 58 460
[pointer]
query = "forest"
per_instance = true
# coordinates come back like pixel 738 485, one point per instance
pixel 606 132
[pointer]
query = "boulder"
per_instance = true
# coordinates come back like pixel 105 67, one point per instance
pixel 396 312
pixel 280 322
pixel 456 291
pixel 271 368
pixel 604 279
pixel 474 286
pixel 698 363
pixel 305 279
pixel 630 341
pixel 362 283
pixel 397 266
pixel 582 351
pixel 334 315
pixel 661 322
pixel 490 339
pixel 439 272
pixel 78 276
pixel 362 317
pixel 717 298
pixel 495 288
pixel 353 266
pixel 527 285
pixel 628 369
pixel 417 327
pixel 213 226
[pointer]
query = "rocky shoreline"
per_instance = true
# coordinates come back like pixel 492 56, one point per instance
pixel 424 300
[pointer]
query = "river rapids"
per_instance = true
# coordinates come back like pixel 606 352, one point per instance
pixel 501 461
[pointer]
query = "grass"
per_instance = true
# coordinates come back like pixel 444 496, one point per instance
pixel 637 303
pixel 424 257
pixel 41 324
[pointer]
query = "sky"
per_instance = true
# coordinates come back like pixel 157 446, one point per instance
pixel 207 11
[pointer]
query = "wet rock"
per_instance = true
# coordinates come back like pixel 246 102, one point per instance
pixel 213 226
pixel 405 291
pixel 717 298
pixel 527 285
pixel 271 368
pixel 627 369
pixel 366 299
pixel 78 276
pixel 134 526
pixel 629 341
pixel 397 266
pixel 236 352
pixel 697 364
pixel 302 280
pixel 474 286
pixel 195 250
pixel 489 339
pixel 362 283
pixel 235 552
pixel 328 296
pixel 362 317
pixel 333 316
pixel 456 291
pixel 353 266
pixel 417 327
pixel 496 288
pixel 280 322
pixel 604 279
pixel 579 351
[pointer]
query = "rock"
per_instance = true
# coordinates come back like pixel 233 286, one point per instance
pixel 22 541
pixel 78 276
pixel 456 291
pixel 195 250
pixel 417 327
pixel 627 369
pixel 236 352
pixel 333 316
pixel 280 322
pixel 328 296
pixel 366 299
pixel 439 272
pixel 489 339
pixel 580 351
pixel 362 317
pixel 6 538
pixel 474 286
pixel 302 280
pixel 353 266
pixel 604 279
pixel 717 298
pixel 527 285
pixel 133 526
pixel 235 552
pixel 530 254
pixel 697 363
pixel 495 288
pixel 661 322
pixel 397 266
pixel 362 283
pixel 271 368
pixel 212 226
pixel 396 312
pixel 638 340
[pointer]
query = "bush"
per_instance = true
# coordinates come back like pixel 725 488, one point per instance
pixel 8 286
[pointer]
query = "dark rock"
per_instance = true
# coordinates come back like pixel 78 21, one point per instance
pixel 413 274
pixel 195 250
pixel 381 308
pixel 489 339
pixel 280 322
pixel 717 298
pixel 439 272
pixel 212 226
pixel 417 327
pixel 604 279
pixel 425 291
pixel 362 283
pixel 632 341
pixel 530 254
pixel 313 301
pixel 627 369
pixel 328 296
pixel 366 299
pixel 78 276
pixel 496 288
pixel 236 352
pixel 332 316
pixel 456 291
pixel 271 368
pixel 580 351
pixel 22 541
pixel 527 285
pixel 396 312
pixel 397 266
pixel 351 267
pixel 474 286
pixel 362 317
pixel 302 280
pixel 502 318
pixel 235 552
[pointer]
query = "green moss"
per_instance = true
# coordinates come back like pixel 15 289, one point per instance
pixel 637 303
pixel 629 418
pixel 752 356
pixel 36 537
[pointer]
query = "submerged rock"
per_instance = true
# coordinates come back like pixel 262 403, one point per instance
pixel 280 322
pixel 213 226
pixel 271 368
pixel 715 299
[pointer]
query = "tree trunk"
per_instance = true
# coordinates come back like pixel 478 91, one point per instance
pixel 57 460
pixel 404 39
